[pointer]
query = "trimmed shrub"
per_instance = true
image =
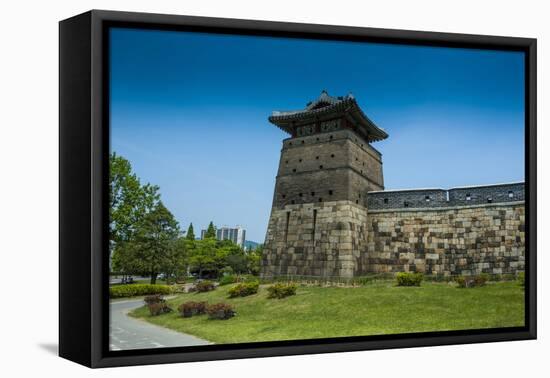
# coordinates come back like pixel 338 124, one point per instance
pixel 155 298
pixel 134 290
pixel 409 279
pixel 281 290
pixel 228 279
pixel 159 308
pixel 220 311
pixel 521 278
pixel 472 281
pixel 462 281
pixel 178 289
pixel 204 286
pixel 481 279
pixel 244 289
pixel 188 309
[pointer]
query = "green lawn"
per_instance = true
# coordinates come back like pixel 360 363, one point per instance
pixel 377 308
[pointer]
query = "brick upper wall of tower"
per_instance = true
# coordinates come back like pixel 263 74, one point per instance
pixel 337 165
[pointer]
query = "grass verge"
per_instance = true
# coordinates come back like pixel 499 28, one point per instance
pixel 322 312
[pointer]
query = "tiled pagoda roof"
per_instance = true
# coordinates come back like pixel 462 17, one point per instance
pixel 326 106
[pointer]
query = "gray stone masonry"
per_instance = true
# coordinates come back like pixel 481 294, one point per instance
pixel 331 218
pixel 431 198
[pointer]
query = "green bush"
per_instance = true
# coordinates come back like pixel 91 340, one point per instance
pixel 159 308
pixel 134 290
pixel 462 281
pixel 227 279
pixel 521 278
pixel 188 309
pixel 409 279
pixel 281 290
pixel 244 289
pixel 220 311
pixel 204 286
pixel 472 281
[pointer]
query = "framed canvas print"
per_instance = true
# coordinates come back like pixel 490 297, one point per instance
pixel 234 188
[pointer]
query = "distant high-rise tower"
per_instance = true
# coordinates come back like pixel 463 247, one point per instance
pixel 327 166
pixel 236 234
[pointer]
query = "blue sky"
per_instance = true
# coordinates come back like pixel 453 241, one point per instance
pixel 189 110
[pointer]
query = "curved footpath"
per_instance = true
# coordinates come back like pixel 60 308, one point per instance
pixel 129 333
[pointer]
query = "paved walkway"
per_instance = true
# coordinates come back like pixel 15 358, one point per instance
pixel 130 333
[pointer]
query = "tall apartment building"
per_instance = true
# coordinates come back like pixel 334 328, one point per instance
pixel 236 234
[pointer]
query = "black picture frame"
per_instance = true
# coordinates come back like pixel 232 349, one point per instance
pixel 84 149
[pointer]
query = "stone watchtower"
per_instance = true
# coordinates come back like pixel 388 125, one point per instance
pixel 318 220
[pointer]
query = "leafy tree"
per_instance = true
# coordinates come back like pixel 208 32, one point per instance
pixel 210 231
pixel 203 256
pixel 232 255
pixel 190 232
pixel 124 259
pixel 155 242
pixel 254 257
pixel 129 202
pixel 180 262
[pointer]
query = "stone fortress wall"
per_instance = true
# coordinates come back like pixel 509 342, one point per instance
pixel 325 239
pixel 461 231
pixel 331 217
pixel 430 198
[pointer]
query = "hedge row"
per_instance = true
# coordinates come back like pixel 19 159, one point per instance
pixel 134 290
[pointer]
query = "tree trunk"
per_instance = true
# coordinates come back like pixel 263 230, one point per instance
pixel 153 278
